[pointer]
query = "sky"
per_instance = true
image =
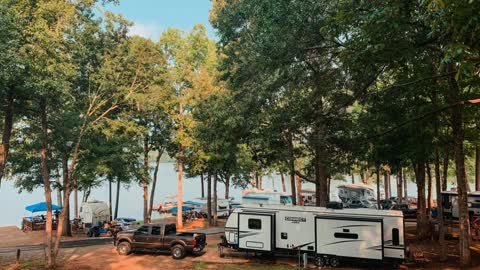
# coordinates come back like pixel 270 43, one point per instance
pixel 152 17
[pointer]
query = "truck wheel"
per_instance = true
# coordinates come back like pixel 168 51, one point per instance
pixel 124 248
pixel 320 262
pixel 178 252
pixel 334 262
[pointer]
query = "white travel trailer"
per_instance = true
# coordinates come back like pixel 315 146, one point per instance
pixel 357 196
pixel 266 197
pixel 200 205
pixel 309 197
pixel 328 235
pixel 450 203
pixel 94 212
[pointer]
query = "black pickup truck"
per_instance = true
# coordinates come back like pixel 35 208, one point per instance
pixel 160 237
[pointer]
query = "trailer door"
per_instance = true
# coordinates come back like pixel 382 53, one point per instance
pixel 256 231
pixel 349 237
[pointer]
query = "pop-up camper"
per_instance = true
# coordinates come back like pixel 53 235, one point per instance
pixel 326 234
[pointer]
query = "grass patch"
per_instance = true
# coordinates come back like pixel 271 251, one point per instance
pixel 27 265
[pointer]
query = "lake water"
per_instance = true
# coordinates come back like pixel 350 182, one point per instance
pixel 131 200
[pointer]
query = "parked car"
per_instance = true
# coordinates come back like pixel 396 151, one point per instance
pixel 386 204
pixel 408 212
pixel 160 237
pixel 125 222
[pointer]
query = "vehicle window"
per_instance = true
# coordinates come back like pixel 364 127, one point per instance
pixel 170 229
pixel 222 207
pixel 156 230
pixel 284 235
pixel 346 235
pixel 143 230
pixel 395 237
pixel 254 224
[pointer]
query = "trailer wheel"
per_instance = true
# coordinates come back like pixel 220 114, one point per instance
pixel 320 262
pixel 334 262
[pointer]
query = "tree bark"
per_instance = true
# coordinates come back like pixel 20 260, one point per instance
pixel 378 187
pixel 180 192
pixel 453 97
pixel 7 131
pixel 154 183
pixel 445 173
pixel 429 190
pixel 227 186
pixel 202 184
pixel 405 187
pixel 353 177
pixel 400 185
pixel 367 177
pixel 59 187
pixel 67 230
pixel 146 178
pixel 110 201
pixel 299 189
pixel 46 181
pixel 292 182
pixel 284 188
pixel 75 202
pixel 214 206
pixel 477 168
pixel 441 225
pixel 422 226
pixel 385 185
pixel 209 199
pixel 117 199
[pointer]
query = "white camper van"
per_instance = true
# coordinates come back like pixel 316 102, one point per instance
pixel 265 197
pixel 93 212
pixel 328 235
pixel 450 203
pixel 200 205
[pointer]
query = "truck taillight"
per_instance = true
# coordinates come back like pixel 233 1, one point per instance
pixel 194 242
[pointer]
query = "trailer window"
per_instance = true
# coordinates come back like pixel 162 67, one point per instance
pixel 346 235
pixel 254 224
pixel 284 235
pixel 395 237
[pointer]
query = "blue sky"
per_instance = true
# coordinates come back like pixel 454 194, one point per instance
pixel 152 17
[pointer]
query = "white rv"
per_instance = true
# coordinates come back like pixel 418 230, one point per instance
pixel 326 234
pixel 450 203
pixel 94 212
pixel 200 205
pixel 357 196
pixel 266 197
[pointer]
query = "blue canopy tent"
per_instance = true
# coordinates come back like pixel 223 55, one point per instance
pixel 41 207
pixel 184 209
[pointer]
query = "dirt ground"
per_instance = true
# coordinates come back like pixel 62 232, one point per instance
pixel 105 257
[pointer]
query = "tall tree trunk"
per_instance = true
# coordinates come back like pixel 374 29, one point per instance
pixel 59 187
pixel 180 192
pixel 284 188
pixel 209 199
pixel 441 225
pixel 299 189
pixel 260 181
pixel 257 181
pixel 400 185
pixel 203 188
pixel 453 97
pixel 75 202
pixel 214 205
pixel 67 230
pixel 422 226
pixel 378 187
pixel 7 131
pixel 117 199
pixel 385 184
pixel 154 183
pixel 227 186
pixel 321 181
pixel 86 194
pixel 477 168
pixel 353 177
pixel 367 177
pixel 46 182
pixel 445 173
pixel 291 162
pixel 146 178
pixel 429 189
pixel 110 201
pixel 405 187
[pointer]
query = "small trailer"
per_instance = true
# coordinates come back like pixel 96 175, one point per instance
pixel 94 212
pixel 327 235
pixel 450 203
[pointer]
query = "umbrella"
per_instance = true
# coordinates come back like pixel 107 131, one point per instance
pixel 184 208
pixel 41 207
